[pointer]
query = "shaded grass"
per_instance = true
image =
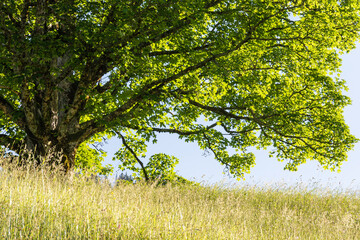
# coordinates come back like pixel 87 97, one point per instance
pixel 37 205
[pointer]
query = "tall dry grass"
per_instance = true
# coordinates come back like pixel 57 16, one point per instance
pixel 37 205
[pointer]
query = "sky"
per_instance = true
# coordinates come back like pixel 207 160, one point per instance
pixel 196 165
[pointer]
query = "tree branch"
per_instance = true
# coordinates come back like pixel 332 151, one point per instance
pixel 11 113
pixel 219 111
pixel 173 52
pixel 209 146
pixel 11 90
pixel 169 130
pixel 134 155
pixel 234 133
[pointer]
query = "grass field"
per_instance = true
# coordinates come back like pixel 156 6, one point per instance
pixel 36 205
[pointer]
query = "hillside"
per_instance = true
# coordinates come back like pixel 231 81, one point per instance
pixel 37 205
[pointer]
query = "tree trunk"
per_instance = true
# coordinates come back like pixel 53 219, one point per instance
pixel 52 131
pixel 52 96
pixel 51 153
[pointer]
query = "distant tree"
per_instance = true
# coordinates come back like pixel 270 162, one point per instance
pixel 261 73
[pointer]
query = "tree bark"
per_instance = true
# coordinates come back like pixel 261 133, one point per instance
pixel 43 152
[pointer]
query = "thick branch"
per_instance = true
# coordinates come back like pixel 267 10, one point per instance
pixel 233 133
pixel 219 111
pixel 180 132
pixel 183 133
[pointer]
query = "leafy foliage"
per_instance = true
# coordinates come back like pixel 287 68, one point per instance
pixel 261 73
pixel 90 159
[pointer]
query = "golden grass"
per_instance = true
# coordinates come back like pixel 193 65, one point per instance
pixel 36 205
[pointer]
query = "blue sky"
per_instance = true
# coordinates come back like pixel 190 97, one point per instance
pixel 195 165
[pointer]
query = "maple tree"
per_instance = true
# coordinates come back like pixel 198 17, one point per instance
pixel 261 73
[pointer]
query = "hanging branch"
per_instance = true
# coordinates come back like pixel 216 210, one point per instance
pixel 134 154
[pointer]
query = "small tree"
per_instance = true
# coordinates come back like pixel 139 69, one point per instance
pixel 261 73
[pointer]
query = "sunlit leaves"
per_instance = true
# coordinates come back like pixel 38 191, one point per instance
pixel 261 73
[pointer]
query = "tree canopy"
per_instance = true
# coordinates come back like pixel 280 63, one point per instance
pixel 222 73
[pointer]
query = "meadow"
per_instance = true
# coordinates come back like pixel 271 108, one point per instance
pixel 37 204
